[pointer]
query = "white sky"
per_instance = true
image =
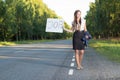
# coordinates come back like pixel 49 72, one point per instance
pixel 66 8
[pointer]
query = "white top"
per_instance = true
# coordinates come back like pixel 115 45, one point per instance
pixel 83 24
pixel 83 21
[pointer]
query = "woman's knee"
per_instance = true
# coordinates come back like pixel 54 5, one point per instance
pixel 77 51
pixel 81 52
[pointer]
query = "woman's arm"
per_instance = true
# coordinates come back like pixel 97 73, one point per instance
pixel 68 30
pixel 85 28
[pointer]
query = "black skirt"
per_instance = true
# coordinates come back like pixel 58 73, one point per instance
pixel 77 40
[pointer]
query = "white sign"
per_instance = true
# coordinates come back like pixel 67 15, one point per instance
pixel 54 25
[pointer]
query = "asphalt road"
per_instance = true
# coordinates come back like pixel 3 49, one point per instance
pixel 54 61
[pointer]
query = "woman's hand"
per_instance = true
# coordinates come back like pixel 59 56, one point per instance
pixel 86 37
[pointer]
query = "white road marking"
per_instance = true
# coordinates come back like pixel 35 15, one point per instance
pixel 70 72
pixel 73 59
pixel 72 64
pixel 73 56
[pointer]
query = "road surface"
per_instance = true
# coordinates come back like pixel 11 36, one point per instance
pixel 54 61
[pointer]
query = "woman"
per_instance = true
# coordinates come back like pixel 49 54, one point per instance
pixel 78 27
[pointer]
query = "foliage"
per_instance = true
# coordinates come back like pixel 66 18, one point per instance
pixel 103 18
pixel 26 20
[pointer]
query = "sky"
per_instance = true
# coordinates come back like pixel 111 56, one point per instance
pixel 66 8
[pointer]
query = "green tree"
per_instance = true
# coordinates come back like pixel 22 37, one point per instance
pixel 103 18
pixel 26 20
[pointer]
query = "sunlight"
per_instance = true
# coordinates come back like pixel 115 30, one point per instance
pixel 66 8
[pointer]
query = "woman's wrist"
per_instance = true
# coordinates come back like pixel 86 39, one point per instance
pixel 67 29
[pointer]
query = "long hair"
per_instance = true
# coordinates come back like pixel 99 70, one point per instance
pixel 75 17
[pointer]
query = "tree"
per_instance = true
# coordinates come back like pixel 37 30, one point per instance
pixel 103 19
pixel 26 20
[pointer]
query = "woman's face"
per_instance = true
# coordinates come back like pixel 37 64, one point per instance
pixel 78 15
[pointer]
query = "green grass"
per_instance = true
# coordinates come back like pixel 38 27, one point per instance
pixel 6 43
pixel 31 41
pixel 23 42
pixel 109 48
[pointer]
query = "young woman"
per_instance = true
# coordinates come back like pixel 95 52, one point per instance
pixel 78 28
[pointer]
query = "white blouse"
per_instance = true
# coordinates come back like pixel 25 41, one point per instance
pixel 83 21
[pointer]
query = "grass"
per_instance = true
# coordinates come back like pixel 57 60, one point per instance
pixel 22 42
pixel 6 43
pixel 109 48
pixel 31 41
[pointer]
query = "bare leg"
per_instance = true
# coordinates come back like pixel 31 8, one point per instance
pixel 77 58
pixel 81 57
